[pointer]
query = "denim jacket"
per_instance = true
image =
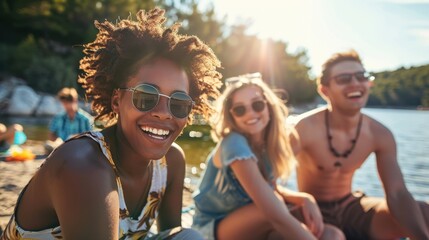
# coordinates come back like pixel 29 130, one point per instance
pixel 219 192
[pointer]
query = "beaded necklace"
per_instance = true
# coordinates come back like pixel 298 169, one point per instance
pixel 346 153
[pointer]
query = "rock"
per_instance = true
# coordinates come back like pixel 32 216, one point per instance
pixel 48 105
pixel 7 86
pixel 23 101
pixel 18 99
pixel 6 89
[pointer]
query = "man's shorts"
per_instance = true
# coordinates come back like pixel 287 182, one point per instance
pixel 352 214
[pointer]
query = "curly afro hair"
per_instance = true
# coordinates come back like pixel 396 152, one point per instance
pixel 112 57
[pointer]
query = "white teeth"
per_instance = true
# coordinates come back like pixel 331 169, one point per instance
pixel 252 121
pixel 155 131
pixel 354 94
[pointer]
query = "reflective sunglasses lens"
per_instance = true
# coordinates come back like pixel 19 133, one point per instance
pixel 362 76
pixel 258 106
pixel 343 79
pixel 232 81
pixel 180 105
pixel 239 111
pixel 145 97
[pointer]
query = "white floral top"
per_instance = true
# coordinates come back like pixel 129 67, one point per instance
pixel 128 228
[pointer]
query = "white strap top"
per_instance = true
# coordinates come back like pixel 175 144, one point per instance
pixel 128 228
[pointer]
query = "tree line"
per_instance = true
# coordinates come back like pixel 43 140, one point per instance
pixel 42 44
pixel 404 87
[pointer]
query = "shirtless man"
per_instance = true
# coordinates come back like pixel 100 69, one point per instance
pixel 331 143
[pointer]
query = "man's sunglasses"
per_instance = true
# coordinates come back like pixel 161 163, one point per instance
pixel 146 97
pixel 257 106
pixel 346 78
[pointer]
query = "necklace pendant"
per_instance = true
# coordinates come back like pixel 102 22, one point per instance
pixel 352 141
pixel 346 154
pixel 337 164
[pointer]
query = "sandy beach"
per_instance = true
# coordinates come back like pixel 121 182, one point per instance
pixel 15 175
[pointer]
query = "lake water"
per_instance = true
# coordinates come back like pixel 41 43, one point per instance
pixel 409 127
pixel 411 131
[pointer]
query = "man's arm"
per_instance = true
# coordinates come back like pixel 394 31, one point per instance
pixel 52 136
pixel 397 195
pixel 7 133
pixel 53 128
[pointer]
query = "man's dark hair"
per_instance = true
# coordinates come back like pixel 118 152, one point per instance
pixel 67 95
pixel 351 55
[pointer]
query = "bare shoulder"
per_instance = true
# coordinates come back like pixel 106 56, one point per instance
pixel 175 151
pixel 175 158
pixel 378 130
pixel 381 137
pixel 80 158
pixel 175 154
pixel 310 118
pixel 306 123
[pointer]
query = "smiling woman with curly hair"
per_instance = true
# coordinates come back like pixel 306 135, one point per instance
pixel 145 82
pixel 121 48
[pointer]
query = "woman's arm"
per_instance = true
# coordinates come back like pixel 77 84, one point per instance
pixel 170 211
pixel 310 211
pixel 276 212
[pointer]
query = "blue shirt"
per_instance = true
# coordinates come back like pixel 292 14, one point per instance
pixel 64 127
pixel 220 192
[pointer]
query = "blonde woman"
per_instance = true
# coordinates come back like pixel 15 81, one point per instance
pixel 238 196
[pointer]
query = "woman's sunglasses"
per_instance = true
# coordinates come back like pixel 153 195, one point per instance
pixel 146 97
pixel 257 106
pixel 346 78
pixel 246 78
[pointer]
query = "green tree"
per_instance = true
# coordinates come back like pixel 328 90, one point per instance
pixel 401 88
pixel 44 38
pixel 244 53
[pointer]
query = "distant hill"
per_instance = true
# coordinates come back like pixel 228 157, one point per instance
pixel 402 88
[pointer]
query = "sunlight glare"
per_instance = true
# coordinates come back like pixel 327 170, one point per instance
pixel 286 20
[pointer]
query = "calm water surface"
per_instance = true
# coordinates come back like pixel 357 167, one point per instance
pixel 409 127
pixel 411 131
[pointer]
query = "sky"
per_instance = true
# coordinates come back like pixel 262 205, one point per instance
pixel 388 34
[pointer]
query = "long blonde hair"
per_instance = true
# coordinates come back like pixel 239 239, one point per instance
pixel 276 137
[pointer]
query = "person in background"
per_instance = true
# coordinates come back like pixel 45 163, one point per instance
pixel 8 136
pixel 238 196
pixel 331 143
pixel 144 80
pixel 70 123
